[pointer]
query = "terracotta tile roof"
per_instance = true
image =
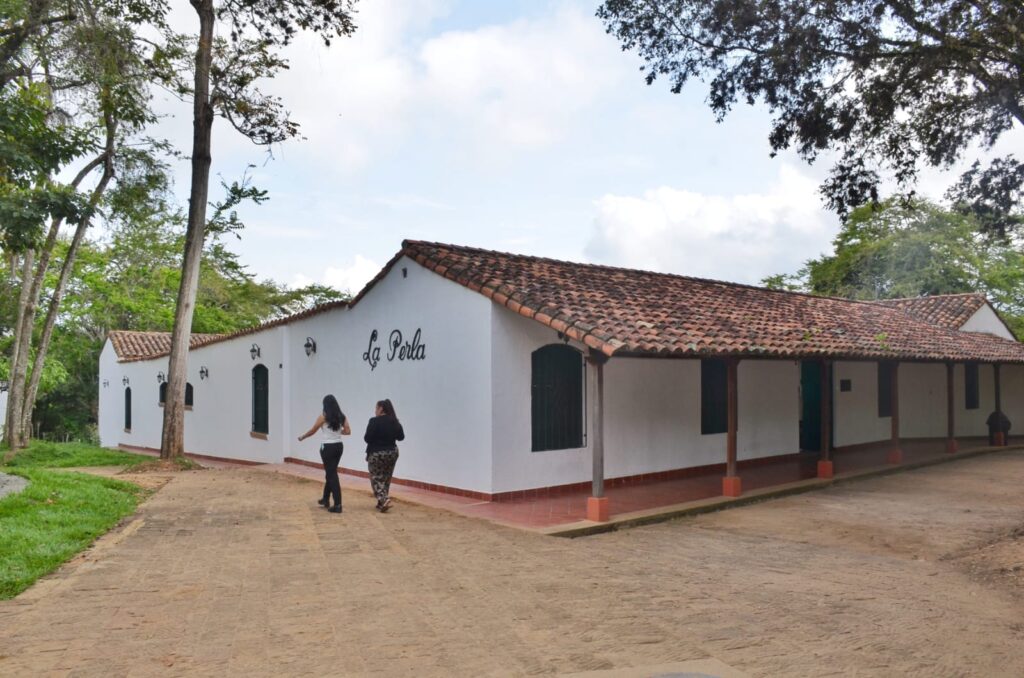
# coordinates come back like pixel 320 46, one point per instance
pixel 143 345
pixel 946 310
pixel 629 312
pixel 150 345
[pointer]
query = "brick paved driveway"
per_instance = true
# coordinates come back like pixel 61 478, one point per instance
pixel 237 572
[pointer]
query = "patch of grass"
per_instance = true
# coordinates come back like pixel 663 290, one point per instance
pixel 41 454
pixel 55 517
pixel 175 464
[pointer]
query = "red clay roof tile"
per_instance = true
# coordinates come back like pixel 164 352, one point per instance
pixel 630 312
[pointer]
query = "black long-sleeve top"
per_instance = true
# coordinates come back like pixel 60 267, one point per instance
pixel 382 432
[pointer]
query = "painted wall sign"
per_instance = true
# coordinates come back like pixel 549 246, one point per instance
pixel 398 348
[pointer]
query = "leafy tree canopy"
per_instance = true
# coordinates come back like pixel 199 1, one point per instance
pixel 912 251
pixel 886 84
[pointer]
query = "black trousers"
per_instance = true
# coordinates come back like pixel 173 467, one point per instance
pixel 330 454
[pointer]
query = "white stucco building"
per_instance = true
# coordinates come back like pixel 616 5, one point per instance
pixel 3 407
pixel 502 369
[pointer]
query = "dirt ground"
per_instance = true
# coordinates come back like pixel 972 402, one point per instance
pixel 238 572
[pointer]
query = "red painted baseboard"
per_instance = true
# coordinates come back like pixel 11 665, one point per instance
pixel 193 455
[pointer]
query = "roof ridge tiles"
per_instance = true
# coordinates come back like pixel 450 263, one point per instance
pixel 633 271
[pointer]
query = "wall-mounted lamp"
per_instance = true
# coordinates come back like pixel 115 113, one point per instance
pixel 3 386
pixel 310 346
pixel 124 381
pixel 160 377
pixel 106 383
pixel 204 373
pixel 254 351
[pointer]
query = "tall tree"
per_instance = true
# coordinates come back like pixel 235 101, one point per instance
pixel 93 71
pixel 225 80
pixel 886 84
pixel 912 251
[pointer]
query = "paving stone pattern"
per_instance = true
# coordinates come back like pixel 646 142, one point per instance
pixel 237 572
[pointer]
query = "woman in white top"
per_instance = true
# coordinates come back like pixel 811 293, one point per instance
pixel 332 424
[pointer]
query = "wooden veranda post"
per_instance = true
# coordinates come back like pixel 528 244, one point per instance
pixel 731 485
pixel 597 503
pixel 1000 435
pixel 951 446
pixel 895 451
pixel 825 467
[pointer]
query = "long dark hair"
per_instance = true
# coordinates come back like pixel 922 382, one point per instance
pixel 388 408
pixel 332 413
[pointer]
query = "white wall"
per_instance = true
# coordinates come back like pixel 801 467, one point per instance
pixel 3 411
pixel 922 400
pixel 986 320
pixel 972 422
pixel 652 413
pixel 443 401
pixel 1012 378
pixel 220 421
pixel 922 394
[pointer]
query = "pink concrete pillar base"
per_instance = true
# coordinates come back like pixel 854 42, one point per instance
pixel 825 469
pixel 1000 439
pixel 597 509
pixel 895 456
pixel 951 446
pixel 732 486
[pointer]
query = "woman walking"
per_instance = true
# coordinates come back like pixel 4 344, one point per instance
pixel 382 432
pixel 332 424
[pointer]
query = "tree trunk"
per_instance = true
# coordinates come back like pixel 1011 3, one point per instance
pixel 18 435
pixel 172 443
pixel 13 419
pixel 65 274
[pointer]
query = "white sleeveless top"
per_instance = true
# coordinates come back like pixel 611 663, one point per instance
pixel 327 435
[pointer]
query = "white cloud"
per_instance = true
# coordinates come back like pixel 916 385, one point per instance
pixel 525 83
pixel 741 237
pixel 349 278
pixel 514 86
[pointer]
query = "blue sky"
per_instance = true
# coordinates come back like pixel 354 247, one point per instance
pixel 518 126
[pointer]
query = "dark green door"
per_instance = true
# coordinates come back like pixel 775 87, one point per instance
pixel 810 406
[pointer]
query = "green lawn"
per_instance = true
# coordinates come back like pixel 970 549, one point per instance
pixel 59 513
pixel 41 454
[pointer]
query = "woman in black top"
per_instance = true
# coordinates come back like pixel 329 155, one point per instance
pixel 381 451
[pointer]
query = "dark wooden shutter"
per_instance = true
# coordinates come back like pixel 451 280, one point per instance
pixel 189 395
pixel 556 398
pixel 260 400
pixel 971 392
pixel 884 389
pixel 163 393
pixel 128 409
pixel 714 394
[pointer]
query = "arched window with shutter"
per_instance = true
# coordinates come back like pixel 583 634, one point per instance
pixel 260 400
pixel 557 411
pixel 163 393
pixel 189 395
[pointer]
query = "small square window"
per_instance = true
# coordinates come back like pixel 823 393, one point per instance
pixel 845 385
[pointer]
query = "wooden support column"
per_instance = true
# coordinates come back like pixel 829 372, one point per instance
pixel 825 467
pixel 597 503
pixel 951 446
pixel 1000 435
pixel 895 451
pixel 731 485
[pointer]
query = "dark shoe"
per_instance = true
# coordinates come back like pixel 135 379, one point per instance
pixel 324 502
pixel 334 509
pixel 386 506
